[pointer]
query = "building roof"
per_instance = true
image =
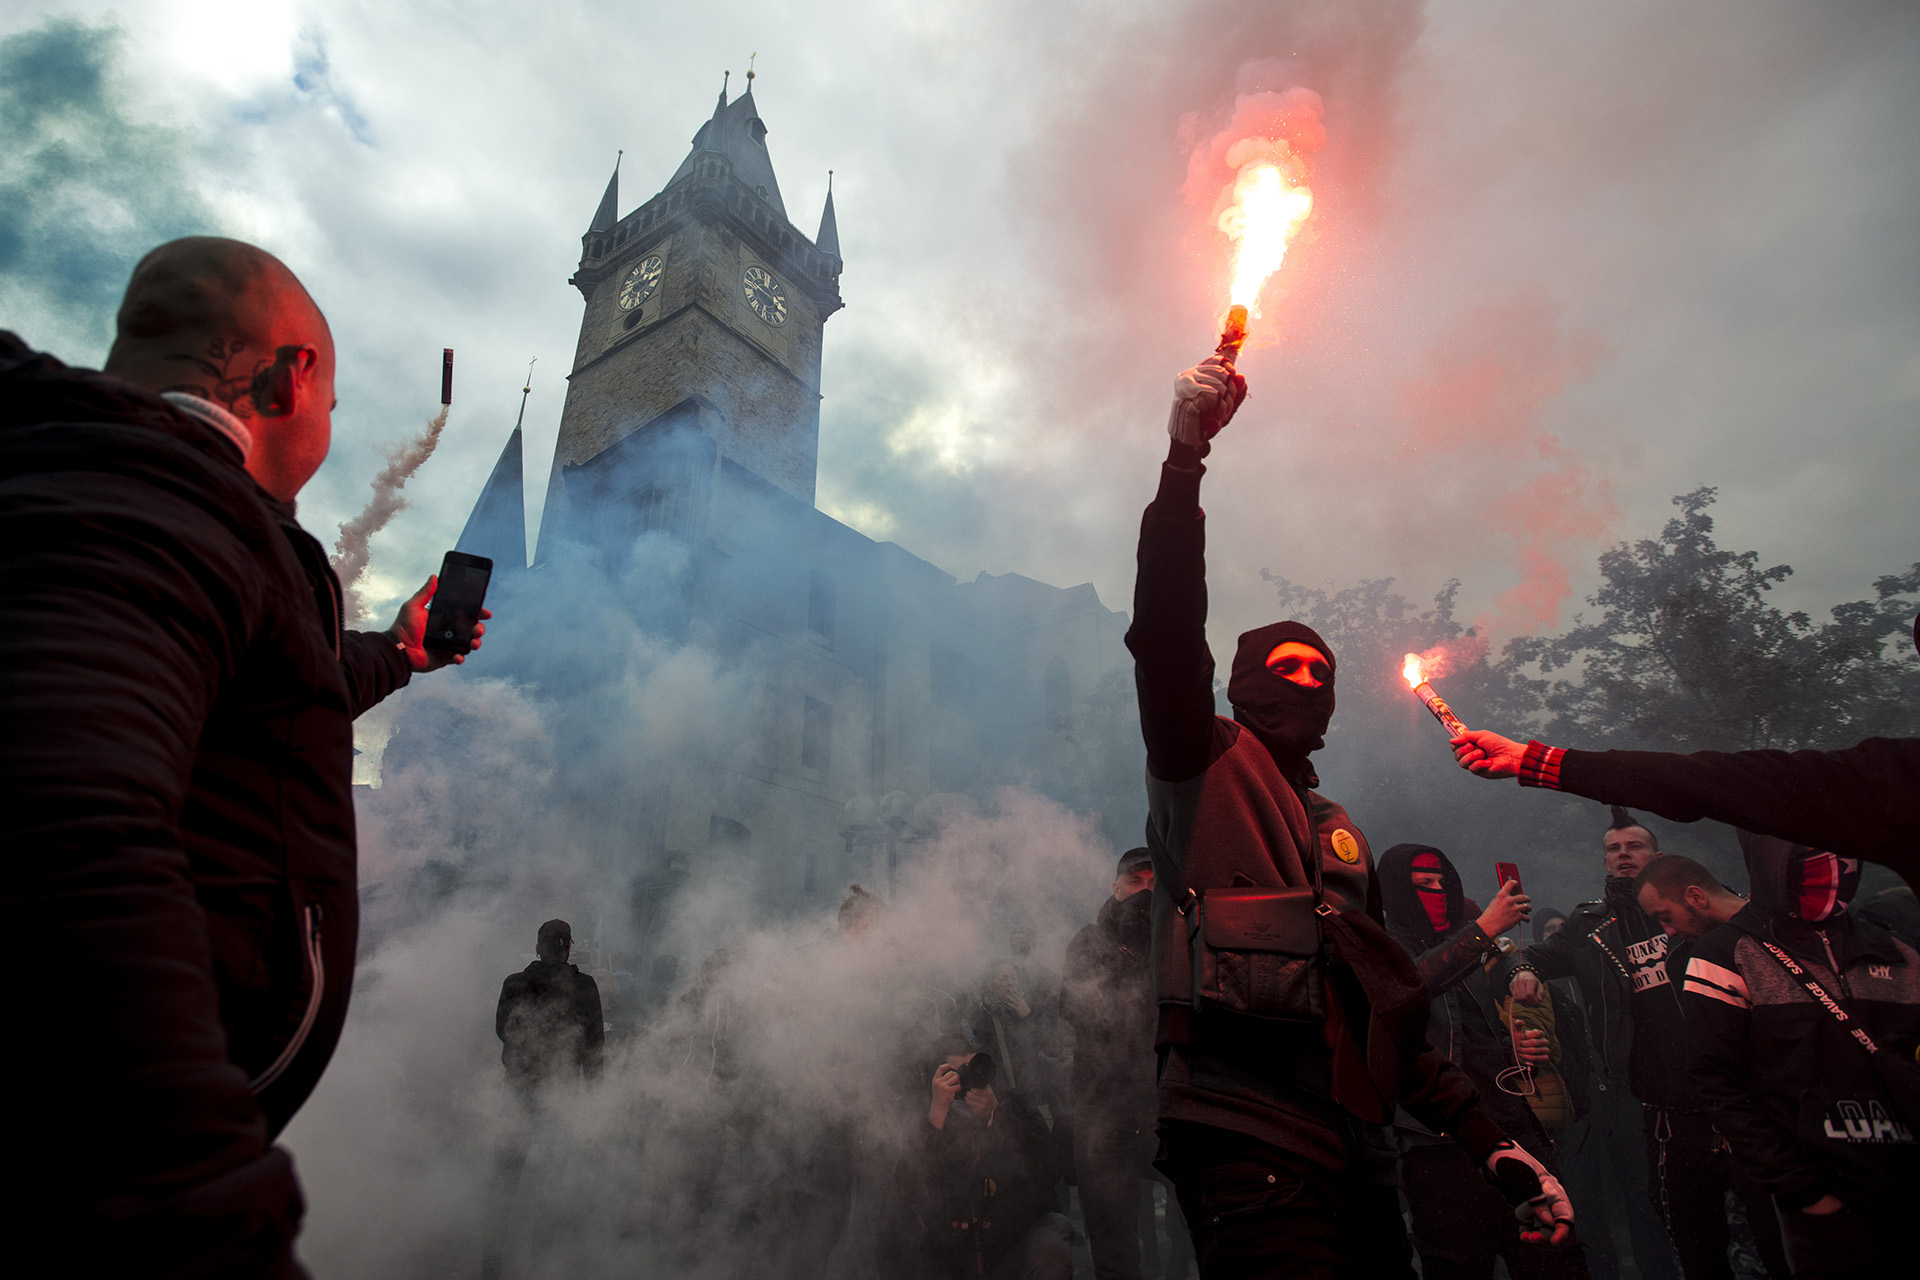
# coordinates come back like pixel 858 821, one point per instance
pixel 737 132
pixel 828 241
pixel 609 211
pixel 497 528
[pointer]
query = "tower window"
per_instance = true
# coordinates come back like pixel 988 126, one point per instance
pixel 816 736
pixel 820 606
pixel 633 317
pixel 656 509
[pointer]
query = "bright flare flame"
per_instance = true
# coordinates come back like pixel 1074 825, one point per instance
pixel 1267 211
pixel 1411 671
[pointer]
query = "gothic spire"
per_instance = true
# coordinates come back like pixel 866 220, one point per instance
pixel 497 528
pixel 828 241
pixel 609 211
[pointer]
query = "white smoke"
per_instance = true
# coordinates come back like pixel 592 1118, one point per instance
pixel 351 552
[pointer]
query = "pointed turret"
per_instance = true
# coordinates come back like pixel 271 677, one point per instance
pixel 609 211
pixel 828 241
pixel 737 132
pixel 497 528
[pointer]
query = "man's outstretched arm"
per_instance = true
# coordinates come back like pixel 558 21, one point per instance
pixel 1173 668
pixel 1863 801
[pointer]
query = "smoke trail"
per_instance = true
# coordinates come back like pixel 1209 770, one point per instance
pixel 350 553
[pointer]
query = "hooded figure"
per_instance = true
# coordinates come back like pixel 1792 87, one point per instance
pixel 1817 1119
pixel 1289 719
pixel 1459 1222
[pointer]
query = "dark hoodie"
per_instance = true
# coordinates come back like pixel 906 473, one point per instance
pixel 1106 995
pixel 1465 1022
pixel 549 1024
pixel 177 814
pixel 1231 805
pixel 1801 1102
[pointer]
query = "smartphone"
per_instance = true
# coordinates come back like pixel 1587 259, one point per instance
pixel 1505 871
pixel 456 602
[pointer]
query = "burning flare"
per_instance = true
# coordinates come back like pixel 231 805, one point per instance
pixel 1269 208
pixel 1414 672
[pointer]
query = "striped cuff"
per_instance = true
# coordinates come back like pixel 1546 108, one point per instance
pixel 1541 768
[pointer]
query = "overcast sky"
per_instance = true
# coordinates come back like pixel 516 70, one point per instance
pixel 1565 262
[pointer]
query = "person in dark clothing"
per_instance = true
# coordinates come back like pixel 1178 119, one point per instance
pixel 178 693
pixel 1860 802
pixel 1280 1064
pixel 548 1018
pixel 1619 956
pixel 976 1184
pixel 1106 996
pixel 1825 1124
pixel 1460 1224
pixel 1547 922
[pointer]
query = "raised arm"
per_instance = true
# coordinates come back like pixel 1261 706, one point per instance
pixel 1173 668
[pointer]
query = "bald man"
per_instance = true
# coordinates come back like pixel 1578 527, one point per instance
pixel 176 816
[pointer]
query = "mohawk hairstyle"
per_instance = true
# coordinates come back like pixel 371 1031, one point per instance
pixel 1623 818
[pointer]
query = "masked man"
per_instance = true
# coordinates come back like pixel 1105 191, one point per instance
pixel 1279 1066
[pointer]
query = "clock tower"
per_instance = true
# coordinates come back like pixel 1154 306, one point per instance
pixel 699 348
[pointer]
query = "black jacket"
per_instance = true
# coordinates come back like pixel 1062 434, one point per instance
pixel 1464 1021
pixel 549 1024
pixel 1801 1102
pixel 1106 996
pixel 177 818
pixel 1228 813
pixel 1860 802
pixel 1618 957
pixel 970 1192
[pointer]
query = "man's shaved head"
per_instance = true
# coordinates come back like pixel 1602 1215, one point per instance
pixel 229 323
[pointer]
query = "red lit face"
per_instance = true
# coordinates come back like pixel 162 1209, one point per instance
pixel 1428 880
pixel 1301 663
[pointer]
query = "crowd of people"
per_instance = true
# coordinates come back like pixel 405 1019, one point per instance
pixel 1327 1063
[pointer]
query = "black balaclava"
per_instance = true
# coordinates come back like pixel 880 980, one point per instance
pixel 1289 719
pixel 1404 903
pixel 1543 918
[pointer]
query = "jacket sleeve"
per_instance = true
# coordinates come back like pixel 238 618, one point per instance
pixel 1173 668
pixel 1447 963
pixel 1080 981
pixel 124 603
pixel 1551 958
pixel 1863 801
pixel 1438 1094
pixel 374 667
pixel 1719 1019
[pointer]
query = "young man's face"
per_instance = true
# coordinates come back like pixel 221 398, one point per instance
pixel 1680 917
pixel 1628 851
pixel 1138 880
pixel 1301 663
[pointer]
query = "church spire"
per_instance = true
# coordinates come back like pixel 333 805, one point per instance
pixel 609 211
pixel 828 241
pixel 497 528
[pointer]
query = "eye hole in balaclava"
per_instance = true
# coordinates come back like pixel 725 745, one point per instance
pixel 1819 885
pixel 1289 718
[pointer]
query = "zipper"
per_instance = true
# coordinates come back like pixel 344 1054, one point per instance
pixel 1839 978
pixel 310 943
pixel 1606 1028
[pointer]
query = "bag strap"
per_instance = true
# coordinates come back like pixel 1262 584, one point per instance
pixel 1820 995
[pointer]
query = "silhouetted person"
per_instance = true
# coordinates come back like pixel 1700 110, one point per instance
pixel 177 694
pixel 1106 996
pixel 549 1019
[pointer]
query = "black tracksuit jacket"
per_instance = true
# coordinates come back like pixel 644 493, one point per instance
pixel 177 821
pixel 1800 1101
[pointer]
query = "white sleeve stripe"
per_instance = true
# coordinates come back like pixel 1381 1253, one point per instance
pixel 1737 999
pixel 1708 971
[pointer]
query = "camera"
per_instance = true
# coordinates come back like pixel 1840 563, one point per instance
pixel 976 1073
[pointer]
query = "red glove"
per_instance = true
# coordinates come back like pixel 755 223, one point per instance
pixel 1204 400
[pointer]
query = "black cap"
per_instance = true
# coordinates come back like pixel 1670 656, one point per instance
pixel 1132 860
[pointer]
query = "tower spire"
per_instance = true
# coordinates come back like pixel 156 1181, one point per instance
pixel 828 241
pixel 609 211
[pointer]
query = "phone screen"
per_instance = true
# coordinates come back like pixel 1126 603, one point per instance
pixel 457 601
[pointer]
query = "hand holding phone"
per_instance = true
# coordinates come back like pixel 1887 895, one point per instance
pixel 457 601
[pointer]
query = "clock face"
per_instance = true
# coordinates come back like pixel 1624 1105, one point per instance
pixel 764 295
pixel 640 282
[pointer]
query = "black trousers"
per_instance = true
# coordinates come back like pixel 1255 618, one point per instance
pixel 1110 1160
pixel 1689 1172
pixel 1259 1213
pixel 1853 1244
pixel 1460 1223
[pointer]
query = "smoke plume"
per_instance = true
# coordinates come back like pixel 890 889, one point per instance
pixel 351 552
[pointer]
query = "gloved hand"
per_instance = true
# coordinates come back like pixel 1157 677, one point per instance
pixel 1204 400
pixel 1536 1195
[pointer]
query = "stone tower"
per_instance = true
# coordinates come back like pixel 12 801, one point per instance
pixel 700 344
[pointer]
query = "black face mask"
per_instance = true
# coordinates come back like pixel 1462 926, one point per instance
pixel 1289 718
